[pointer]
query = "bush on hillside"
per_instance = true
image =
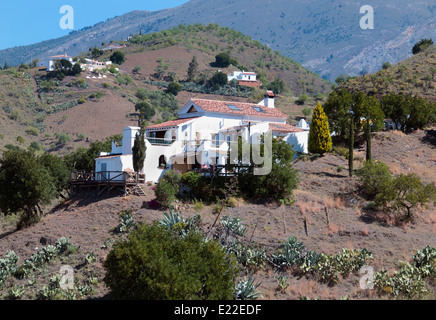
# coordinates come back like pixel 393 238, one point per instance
pixel 374 177
pixel 155 263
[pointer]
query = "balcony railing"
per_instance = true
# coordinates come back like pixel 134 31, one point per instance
pixel 160 142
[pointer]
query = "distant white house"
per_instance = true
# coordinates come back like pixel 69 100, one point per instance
pixel 50 62
pixel 92 65
pixel 201 136
pixel 244 78
pixel 114 46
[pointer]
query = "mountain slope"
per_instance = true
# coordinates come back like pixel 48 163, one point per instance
pixel 414 76
pixel 324 36
pixel 41 109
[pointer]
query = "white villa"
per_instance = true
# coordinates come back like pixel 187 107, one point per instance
pixel 50 63
pixel 92 65
pixel 243 76
pixel 201 136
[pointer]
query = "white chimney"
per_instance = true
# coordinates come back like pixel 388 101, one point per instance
pixel 268 100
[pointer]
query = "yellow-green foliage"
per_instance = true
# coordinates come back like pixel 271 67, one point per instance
pixel 320 140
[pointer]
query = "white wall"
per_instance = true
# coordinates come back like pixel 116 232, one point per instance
pixel 129 135
pixel 115 164
pixel 300 141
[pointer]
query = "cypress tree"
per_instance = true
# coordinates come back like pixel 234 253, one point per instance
pixel 351 147
pixel 192 70
pixel 320 140
pixel 138 151
pixel 368 140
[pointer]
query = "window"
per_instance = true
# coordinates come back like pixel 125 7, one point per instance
pixel 258 109
pixel 162 162
pixel 192 110
pixel 233 107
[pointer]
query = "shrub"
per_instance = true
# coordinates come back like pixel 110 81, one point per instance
pixel 156 264
pixel 123 79
pixel 374 178
pixel 218 80
pixel 165 193
pixel 32 131
pixel 222 60
pixel 307 111
pixel 117 57
pixel 174 88
pixel 422 45
pixel 63 138
pixel 404 194
pixel 146 110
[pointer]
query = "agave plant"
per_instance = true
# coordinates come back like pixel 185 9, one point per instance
pixel 171 219
pixel 292 254
pixel 246 289
pixel 233 225
pixel 127 223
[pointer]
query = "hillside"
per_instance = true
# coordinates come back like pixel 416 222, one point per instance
pixel 323 36
pixel 78 110
pixel 414 76
pixel 90 222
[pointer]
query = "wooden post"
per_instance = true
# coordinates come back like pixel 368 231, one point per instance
pixel 327 215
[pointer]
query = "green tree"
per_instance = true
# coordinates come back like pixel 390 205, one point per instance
pixel 279 183
pixel 302 99
pixel 320 140
pixel 374 178
pixel 95 53
pixel 118 57
pixel 76 69
pixel 386 65
pixel 192 70
pixel 63 66
pixel 277 86
pixel 339 105
pixel 222 60
pixel 307 111
pixel 146 111
pixel 84 158
pixel 218 80
pixel 139 151
pixel 407 112
pixel 58 171
pixel 422 45
pixel 25 184
pixel 174 88
pixel 404 194
pixel 155 263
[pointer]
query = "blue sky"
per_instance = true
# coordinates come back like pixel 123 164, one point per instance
pixel 24 22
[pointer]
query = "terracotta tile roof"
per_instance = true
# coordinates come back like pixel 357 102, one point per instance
pixel 270 94
pixel 284 128
pixel 244 108
pixel 61 56
pixel 172 123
